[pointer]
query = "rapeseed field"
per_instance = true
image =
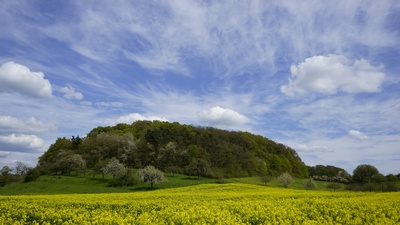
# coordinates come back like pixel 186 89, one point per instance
pixel 205 204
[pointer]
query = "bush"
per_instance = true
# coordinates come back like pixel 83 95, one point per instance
pixel 33 174
pixel 123 180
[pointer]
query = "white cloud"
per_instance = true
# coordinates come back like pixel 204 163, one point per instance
pixel 358 134
pixel 18 78
pixel 20 143
pixel 70 93
pixel 9 124
pixel 221 116
pixel 331 74
pixel 132 117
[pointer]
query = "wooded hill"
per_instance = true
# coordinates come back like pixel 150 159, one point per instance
pixel 173 147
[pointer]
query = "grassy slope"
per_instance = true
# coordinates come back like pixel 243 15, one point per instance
pixel 90 184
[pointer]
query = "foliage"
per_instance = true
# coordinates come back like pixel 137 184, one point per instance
pixel 265 179
pixel 333 186
pixel 173 146
pixel 286 179
pixel 310 184
pixel 68 161
pixel 114 167
pixel 364 173
pixel 199 168
pixel 33 174
pixel 329 171
pixel 5 175
pixel 122 180
pixel 151 175
pixel 205 204
pixel 338 179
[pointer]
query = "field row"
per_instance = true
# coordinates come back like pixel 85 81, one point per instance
pixel 205 204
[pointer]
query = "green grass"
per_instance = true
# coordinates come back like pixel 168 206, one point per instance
pixel 83 185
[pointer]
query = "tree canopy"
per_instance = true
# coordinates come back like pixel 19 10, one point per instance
pixel 176 147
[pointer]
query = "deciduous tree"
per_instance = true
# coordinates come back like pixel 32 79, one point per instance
pixel 286 179
pixel 364 173
pixel 114 167
pixel 151 175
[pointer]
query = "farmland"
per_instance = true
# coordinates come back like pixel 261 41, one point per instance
pixel 232 203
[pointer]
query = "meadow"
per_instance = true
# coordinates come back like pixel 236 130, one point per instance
pixel 229 203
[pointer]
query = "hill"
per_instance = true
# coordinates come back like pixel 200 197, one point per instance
pixel 175 148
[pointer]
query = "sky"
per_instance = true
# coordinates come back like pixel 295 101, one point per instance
pixel 322 77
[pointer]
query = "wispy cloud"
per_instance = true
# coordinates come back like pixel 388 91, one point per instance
pixel 358 134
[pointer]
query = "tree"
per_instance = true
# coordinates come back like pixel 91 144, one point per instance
pixel 286 179
pixel 333 186
pixel 69 161
pixel 199 167
pixel 114 167
pixel 364 173
pixel 5 175
pixel 21 168
pixel 151 175
pixel 310 184
pixel 265 179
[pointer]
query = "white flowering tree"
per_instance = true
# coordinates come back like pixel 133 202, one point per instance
pixel 151 175
pixel 285 179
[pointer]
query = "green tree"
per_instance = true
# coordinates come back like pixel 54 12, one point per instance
pixel 199 167
pixel 5 175
pixel 364 173
pixel 310 184
pixel 69 161
pixel 286 179
pixel 265 179
pixel 151 175
pixel 333 186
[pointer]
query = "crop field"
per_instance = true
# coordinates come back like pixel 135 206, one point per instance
pixel 205 204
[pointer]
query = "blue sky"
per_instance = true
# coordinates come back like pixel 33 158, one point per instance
pixel 319 76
